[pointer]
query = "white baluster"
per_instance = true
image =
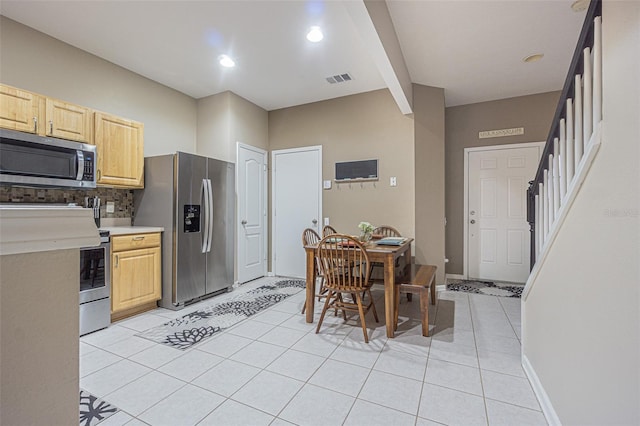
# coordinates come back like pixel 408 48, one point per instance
pixel 541 214
pixel 545 202
pixel 556 187
pixel 578 124
pixel 562 172
pixel 550 189
pixel 587 100
pixel 568 160
pixel 597 70
pixel 536 234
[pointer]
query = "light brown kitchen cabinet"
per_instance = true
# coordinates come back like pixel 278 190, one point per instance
pixel 19 110
pixel 67 121
pixel 120 148
pixel 119 141
pixel 30 112
pixel 136 274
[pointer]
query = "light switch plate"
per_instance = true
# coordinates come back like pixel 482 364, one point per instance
pixel 326 221
pixel 111 207
pixel 326 184
pixel 393 181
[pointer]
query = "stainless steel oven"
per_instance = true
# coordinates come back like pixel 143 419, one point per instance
pixel 95 286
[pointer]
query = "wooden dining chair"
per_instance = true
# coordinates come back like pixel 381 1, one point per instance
pixel 382 232
pixel 386 231
pixel 328 230
pixel 309 237
pixel 345 265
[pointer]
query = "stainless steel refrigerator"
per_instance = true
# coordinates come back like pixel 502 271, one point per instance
pixel 193 198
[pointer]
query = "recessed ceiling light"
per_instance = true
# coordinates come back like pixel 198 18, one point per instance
pixel 533 58
pixel 226 61
pixel 315 34
pixel 579 5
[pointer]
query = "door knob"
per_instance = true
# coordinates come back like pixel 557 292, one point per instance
pixel 315 221
pixel 473 221
pixel 472 212
pixel 244 222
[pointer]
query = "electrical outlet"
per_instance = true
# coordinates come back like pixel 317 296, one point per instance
pixel 111 207
pixel 326 221
pixel 393 181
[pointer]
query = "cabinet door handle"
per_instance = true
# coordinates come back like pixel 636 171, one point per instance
pixel 137 238
pixel 99 174
pixel 35 124
pixel 117 258
pixel 51 127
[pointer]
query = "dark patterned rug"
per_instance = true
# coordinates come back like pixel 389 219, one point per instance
pixel 486 287
pixel 194 327
pixel 93 410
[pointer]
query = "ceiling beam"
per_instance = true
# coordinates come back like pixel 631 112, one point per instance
pixel 373 22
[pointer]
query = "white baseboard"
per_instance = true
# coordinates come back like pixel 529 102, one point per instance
pixel 543 398
pixel 441 287
pixel 270 274
pixel 455 276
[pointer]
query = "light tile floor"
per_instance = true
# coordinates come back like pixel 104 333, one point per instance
pixel 272 369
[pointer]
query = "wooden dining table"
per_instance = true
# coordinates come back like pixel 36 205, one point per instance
pixel 384 254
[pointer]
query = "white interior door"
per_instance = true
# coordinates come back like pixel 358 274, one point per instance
pixel 498 231
pixel 252 212
pixel 297 205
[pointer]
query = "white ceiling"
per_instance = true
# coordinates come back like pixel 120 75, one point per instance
pixel 473 49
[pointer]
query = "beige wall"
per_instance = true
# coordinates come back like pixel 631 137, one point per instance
pixel 533 112
pixel 39 327
pixel 34 61
pixel 357 127
pixel 428 108
pixel 226 118
pixel 213 126
pixel 249 124
pixel 581 325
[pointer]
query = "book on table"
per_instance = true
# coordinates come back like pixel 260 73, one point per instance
pixel 391 241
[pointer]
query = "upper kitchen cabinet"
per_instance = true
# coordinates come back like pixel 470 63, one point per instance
pixel 19 110
pixel 120 148
pixel 29 112
pixel 67 121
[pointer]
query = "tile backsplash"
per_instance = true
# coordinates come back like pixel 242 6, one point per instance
pixel 122 198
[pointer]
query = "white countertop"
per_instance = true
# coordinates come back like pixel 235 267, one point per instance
pixel 128 230
pixel 37 228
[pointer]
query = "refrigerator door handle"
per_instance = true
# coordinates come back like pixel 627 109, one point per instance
pixel 210 217
pixel 206 213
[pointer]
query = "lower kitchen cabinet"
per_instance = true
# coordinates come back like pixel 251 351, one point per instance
pixel 136 274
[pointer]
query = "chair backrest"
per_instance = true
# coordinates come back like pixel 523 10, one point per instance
pixel 328 230
pixel 309 237
pixel 386 231
pixel 344 263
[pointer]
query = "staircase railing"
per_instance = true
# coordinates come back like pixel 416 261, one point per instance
pixel 575 122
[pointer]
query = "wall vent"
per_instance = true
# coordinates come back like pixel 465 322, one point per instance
pixel 339 78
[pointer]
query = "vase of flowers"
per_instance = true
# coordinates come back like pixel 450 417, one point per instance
pixel 366 229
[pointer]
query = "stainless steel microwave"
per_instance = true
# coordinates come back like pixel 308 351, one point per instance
pixel 31 160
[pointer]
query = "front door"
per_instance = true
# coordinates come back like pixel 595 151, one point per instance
pixel 297 205
pixel 252 212
pixel 498 231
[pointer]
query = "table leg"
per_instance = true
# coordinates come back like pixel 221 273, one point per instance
pixel 389 293
pixel 311 284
